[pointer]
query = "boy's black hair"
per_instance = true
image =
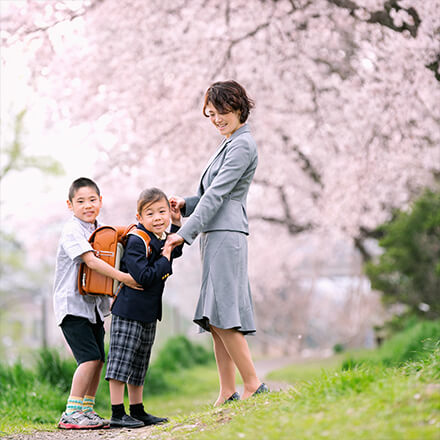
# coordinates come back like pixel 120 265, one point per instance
pixel 81 183
pixel 149 196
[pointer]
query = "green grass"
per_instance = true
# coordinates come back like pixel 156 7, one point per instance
pixel 378 396
pixel 364 403
pixel 34 398
pixel 33 405
pixel 306 369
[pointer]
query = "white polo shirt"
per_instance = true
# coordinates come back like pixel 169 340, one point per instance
pixel 66 298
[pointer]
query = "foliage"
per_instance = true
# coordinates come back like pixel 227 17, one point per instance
pixel 409 269
pixel 414 343
pixel 25 399
pixel 343 150
pixel 338 348
pixel 15 274
pixel 346 116
pixel 38 395
pixel 14 157
pixel 179 352
pixel 364 403
pixel 55 371
pixel 391 402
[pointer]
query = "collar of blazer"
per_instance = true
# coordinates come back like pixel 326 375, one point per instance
pixel 155 241
pixel 226 141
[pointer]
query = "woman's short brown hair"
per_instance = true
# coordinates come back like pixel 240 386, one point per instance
pixel 149 196
pixel 228 96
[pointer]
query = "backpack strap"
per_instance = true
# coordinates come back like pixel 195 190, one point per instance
pixel 144 237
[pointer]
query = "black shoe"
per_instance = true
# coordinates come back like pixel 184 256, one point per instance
pixel 235 396
pixel 261 389
pixel 125 421
pixel 149 419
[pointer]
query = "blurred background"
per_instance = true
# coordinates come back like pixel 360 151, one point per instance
pixel 345 206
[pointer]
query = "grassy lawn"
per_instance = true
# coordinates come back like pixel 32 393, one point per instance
pixel 364 403
pixel 38 407
pixel 306 369
pixel 370 398
pixel 195 389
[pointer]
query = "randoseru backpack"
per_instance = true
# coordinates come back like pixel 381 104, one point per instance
pixel 108 244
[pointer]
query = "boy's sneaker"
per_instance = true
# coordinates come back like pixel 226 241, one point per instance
pixel 125 421
pixel 149 419
pixel 92 415
pixel 78 420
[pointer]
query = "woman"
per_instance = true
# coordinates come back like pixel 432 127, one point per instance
pixel 218 213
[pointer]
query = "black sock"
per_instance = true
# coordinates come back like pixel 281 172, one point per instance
pixel 118 411
pixel 137 410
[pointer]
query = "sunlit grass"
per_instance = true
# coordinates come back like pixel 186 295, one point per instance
pixel 365 403
pixel 367 399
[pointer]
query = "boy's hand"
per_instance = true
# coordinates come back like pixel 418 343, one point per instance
pixel 176 216
pixel 178 202
pixel 104 268
pixel 166 250
pixel 129 281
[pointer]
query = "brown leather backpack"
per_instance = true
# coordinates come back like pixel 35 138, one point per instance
pixel 108 243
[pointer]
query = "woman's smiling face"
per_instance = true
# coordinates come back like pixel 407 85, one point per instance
pixel 226 123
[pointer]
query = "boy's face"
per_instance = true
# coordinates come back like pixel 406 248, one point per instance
pixel 85 204
pixel 155 217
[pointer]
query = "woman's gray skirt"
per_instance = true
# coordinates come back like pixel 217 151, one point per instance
pixel 225 297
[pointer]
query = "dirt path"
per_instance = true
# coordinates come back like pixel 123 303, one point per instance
pixel 263 367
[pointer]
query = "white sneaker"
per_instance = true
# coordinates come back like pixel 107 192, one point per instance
pixel 92 415
pixel 78 420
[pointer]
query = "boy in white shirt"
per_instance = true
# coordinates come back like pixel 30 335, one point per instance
pixel 81 317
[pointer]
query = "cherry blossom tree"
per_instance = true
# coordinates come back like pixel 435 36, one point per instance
pixel 347 116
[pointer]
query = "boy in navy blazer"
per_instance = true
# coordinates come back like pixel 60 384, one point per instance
pixel 135 312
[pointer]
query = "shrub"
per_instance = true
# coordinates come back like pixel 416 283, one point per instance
pixel 54 370
pixel 179 352
pixel 417 342
pixel 408 271
pixel 338 348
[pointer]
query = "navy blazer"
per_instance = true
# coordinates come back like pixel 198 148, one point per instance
pixel 150 272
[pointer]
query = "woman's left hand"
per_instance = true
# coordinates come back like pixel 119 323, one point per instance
pixel 174 240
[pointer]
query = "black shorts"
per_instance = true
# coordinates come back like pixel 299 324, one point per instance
pixel 85 339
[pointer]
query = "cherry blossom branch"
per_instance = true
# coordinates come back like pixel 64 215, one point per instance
pixel 233 43
pixel 304 162
pixel 22 30
pixel 293 227
pixel 383 17
pixel 435 67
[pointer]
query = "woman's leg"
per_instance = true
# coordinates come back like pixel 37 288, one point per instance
pixel 225 367
pixel 237 347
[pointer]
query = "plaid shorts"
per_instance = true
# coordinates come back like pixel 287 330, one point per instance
pixel 130 349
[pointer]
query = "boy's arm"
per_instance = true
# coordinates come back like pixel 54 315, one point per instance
pixel 176 251
pixel 104 268
pixel 176 216
pixel 137 263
